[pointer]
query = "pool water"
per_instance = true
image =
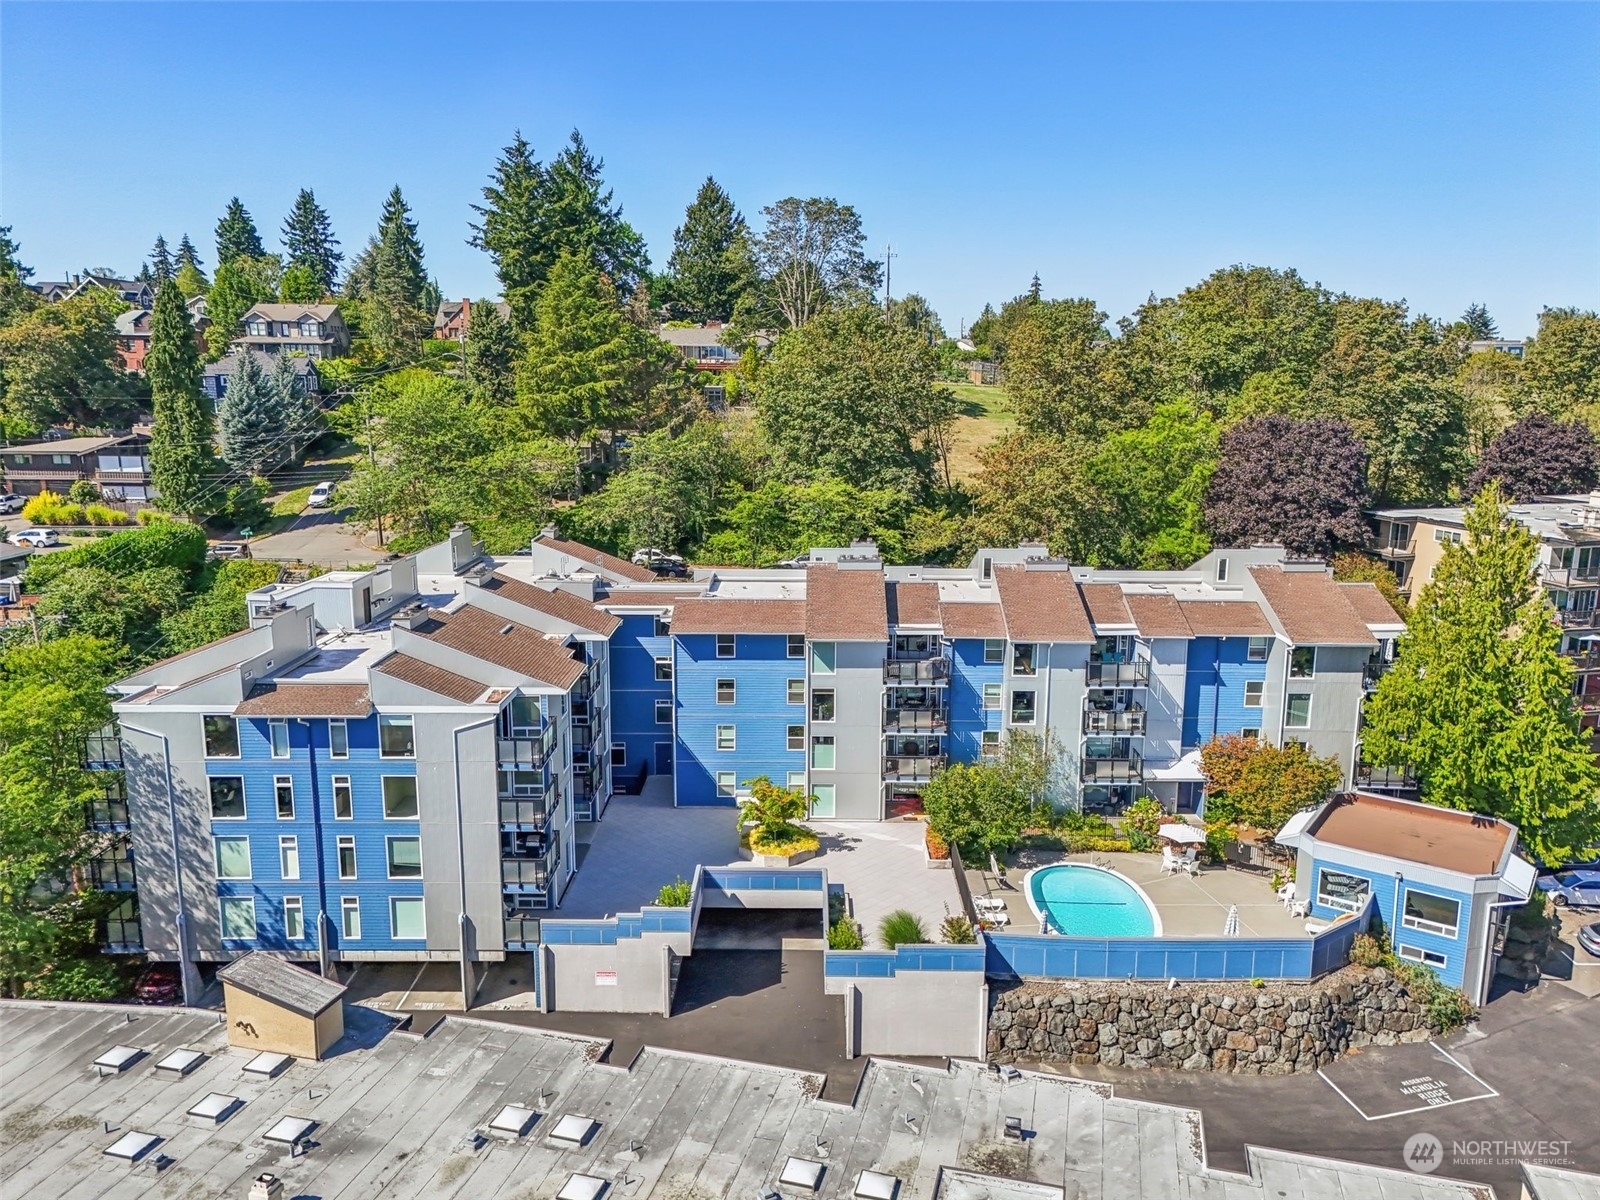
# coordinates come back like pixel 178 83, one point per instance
pixel 1085 901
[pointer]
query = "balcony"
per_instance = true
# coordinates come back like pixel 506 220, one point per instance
pixel 531 872
pixel 916 672
pixel 901 769
pixel 1371 673
pixel 1111 770
pixel 103 751
pixel 107 816
pixel 1124 674
pixel 1577 618
pixel 1387 779
pixel 522 753
pixel 1125 721
pixel 915 720
pixel 1569 577
pixel 112 874
pixel 524 812
pixel 522 933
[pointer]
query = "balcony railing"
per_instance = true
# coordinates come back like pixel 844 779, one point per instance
pixel 522 933
pixel 531 873
pixel 1123 768
pixel 1371 673
pixel 1562 577
pixel 106 815
pixel 1126 674
pixel 909 720
pixel 102 752
pixel 901 769
pixel 524 812
pixel 1390 778
pixel 1388 550
pixel 112 874
pixel 521 752
pixel 1128 720
pixel 916 671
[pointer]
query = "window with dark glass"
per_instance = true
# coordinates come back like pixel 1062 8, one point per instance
pixel 227 798
pixel 400 797
pixel 1303 662
pixel 822 704
pixel 1022 659
pixel 727 691
pixel 1022 708
pixel 222 737
pixel 338 739
pixel 396 738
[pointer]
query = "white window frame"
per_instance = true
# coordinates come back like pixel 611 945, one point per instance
pixel 244 798
pixel 1422 923
pixel 278 737
pixel 1011 711
pixel 995 692
pixel 994 650
pixel 1033 660
pixel 1289 696
pixel 794 686
pixel 824 658
pixel 795 737
pixel 342 783
pixel 1252 732
pixel 205 740
pixel 249 859
pixel 349 906
pixel 1258 687
pixel 727 783
pixel 1258 649
pixel 397 721
pixel 1310 674
pixel 988 743
pixel 394 925
pixel 1339 902
pixel 343 726
pixel 727 645
pixel 1222 570
pixel 346 841
pixel 222 922
pixel 283 785
pixel 1427 958
pixel 619 754
pixel 663 706
pixel 797 645
pixel 830 743
pixel 383 787
pixel 388 854
pixel 727 738
pixel 663 670
pixel 288 844
pixel 795 780
pixel 833 695
pixel 732 688
pixel 293 904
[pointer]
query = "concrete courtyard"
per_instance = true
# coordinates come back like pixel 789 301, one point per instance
pixel 1189 906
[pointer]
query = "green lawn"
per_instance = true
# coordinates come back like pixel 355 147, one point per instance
pixel 985 417
pixel 290 504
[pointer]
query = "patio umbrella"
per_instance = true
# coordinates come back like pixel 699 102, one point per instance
pixel 1184 835
pixel 1230 927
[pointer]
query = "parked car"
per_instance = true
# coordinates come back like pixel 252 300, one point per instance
pixel 799 561
pixel 321 495
pixel 1577 889
pixel 36 538
pixel 1589 938
pixel 228 550
pixel 1587 860
pixel 161 983
pixel 645 555
pixel 10 503
pixel 671 565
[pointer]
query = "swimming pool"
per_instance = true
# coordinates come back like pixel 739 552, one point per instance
pixel 1083 901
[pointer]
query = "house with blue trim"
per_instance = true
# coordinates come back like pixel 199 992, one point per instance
pixel 1442 881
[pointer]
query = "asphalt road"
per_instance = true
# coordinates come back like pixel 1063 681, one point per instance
pixel 1528 1070
pixel 318 536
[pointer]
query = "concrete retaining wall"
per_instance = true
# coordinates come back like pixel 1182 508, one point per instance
pixel 1277 1030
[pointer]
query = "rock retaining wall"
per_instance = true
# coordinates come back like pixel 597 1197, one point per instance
pixel 1276 1030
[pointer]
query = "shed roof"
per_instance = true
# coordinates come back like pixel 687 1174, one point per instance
pixel 589 556
pixel 1225 618
pixel 1311 607
pixel 78 445
pixel 1106 604
pixel 966 619
pixel 1041 605
pixel 1158 616
pixel 291 698
pixel 431 678
pixel 1371 605
pixel 493 639
pixel 282 983
pixel 845 604
pixel 554 602
pixel 706 614
pixel 913 603
pixel 1414 832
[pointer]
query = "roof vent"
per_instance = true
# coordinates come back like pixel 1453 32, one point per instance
pixel 506 628
pixel 410 616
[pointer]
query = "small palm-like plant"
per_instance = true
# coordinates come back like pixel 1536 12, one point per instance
pixel 958 931
pixel 902 928
pixel 676 894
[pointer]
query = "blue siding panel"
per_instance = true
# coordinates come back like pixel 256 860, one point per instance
pixel 1052 957
pixel 1383 887
pixel 760 715
pixel 1213 696
pixel 968 717
pixel 635 689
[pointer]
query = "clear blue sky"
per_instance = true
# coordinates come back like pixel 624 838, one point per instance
pixel 1439 153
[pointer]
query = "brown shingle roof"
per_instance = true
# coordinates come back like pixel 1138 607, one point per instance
pixel 705 615
pixel 493 639
pixel 913 603
pixel 1370 604
pixel 553 602
pixel 1312 608
pixel 431 678
pixel 846 604
pixel 966 619
pixel 1419 833
pixel 1105 604
pixel 1157 616
pixel 289 698
pixel 638 597
pixel 608 563
pixel 1041 606
pixel 1225 618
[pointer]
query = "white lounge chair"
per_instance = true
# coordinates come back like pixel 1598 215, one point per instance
pixel 1191 861
pixel 1169 860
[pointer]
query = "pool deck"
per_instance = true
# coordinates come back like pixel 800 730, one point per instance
pixel 1189 906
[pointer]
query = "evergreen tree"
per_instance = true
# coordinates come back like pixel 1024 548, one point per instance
pixel 144 274
pixel 392 283
pixel 511 230
pixel 1479 324
pixel 180 443
pixel 162 268
pixel 308 237
pixel 398 269
pixel 236 235
pixel 1479 702
pixel 302 419
pixel 10 265
pixel 187 255
pixel 1035 290
pixel 491 354
pixel 251 421
pixel 710 268
pixel 580 218
pixel 241 283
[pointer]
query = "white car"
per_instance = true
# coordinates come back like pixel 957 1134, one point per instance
pixel 10 503
pixel 645 555
pixel 36 538
pixel 321 495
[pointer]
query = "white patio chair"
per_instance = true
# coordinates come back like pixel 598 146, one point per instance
pixel 988 904
pixel 1169 860
pixel 1191 861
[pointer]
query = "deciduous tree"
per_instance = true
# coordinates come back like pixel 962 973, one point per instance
pixel 59 366
pixel 1301 483
pixel 1540 457
pixel 1256 784
pixel 1479 702
pixel 1561 366
pixel 1058 370
pixel 180 443
pixel 241 284
pixel 811 254
pixel 671 491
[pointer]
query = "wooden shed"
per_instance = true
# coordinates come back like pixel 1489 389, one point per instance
pixel 273 1005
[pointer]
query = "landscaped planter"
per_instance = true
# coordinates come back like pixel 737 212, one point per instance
pixel 935 853
pixel 775 860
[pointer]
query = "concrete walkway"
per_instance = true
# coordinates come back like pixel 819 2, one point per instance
pixel 883 868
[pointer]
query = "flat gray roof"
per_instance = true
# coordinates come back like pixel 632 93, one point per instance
pixel 393 1115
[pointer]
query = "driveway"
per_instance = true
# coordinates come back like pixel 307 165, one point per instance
pixel 320 537
pixel 1528 1070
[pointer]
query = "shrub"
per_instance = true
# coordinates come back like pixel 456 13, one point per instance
pixel 844 934
pixel 676 894
pixel 86 979
pixel 1140 823
pixel 938 848
pixel 34 509
pixel 1366 951
pixel 1088 843
pixel 957 931
pixel 84 492
pixel 836 905
pixel 99 514
pixel 785 839
pixel 902 928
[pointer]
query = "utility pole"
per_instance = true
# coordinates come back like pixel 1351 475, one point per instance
pixel 888 270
